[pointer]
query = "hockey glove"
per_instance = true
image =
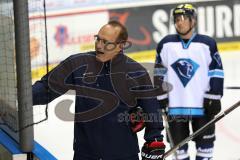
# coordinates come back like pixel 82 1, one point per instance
pixel 153 150
pixel 212 106
pixel 136 119
pixel 163 103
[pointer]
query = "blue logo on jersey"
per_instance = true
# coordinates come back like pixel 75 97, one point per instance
pixel 185 69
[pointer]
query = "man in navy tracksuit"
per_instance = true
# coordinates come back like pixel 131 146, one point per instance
pixel 108 86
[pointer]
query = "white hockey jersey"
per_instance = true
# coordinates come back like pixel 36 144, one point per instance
pixel 194 69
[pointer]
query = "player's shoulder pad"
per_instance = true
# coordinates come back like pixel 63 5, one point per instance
pixel 209 41
pixel 167 39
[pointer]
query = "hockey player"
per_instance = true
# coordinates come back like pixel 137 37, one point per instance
pixel 103 80
pixel 190 62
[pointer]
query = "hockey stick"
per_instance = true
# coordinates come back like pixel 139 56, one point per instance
pixel 233 87
pixel 168 131
pixel 206 126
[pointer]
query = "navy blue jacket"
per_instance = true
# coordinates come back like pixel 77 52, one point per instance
pixel 105 132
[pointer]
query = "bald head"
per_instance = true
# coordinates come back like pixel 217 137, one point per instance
pixel 110 32
pixel 123 34
pixel 110 40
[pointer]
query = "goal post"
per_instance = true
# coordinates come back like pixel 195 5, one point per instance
pixel 23 68
pixel 16 113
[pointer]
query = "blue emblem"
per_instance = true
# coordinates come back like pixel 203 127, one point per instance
pixel 185 69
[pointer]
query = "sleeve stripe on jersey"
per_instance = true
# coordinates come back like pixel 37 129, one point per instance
pixel 185 111
pixel 164 96
pixel 216 73
pixel 160 71
pixel 202 154
pixel 212 96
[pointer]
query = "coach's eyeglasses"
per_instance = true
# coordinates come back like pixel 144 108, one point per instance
pixel 111 45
